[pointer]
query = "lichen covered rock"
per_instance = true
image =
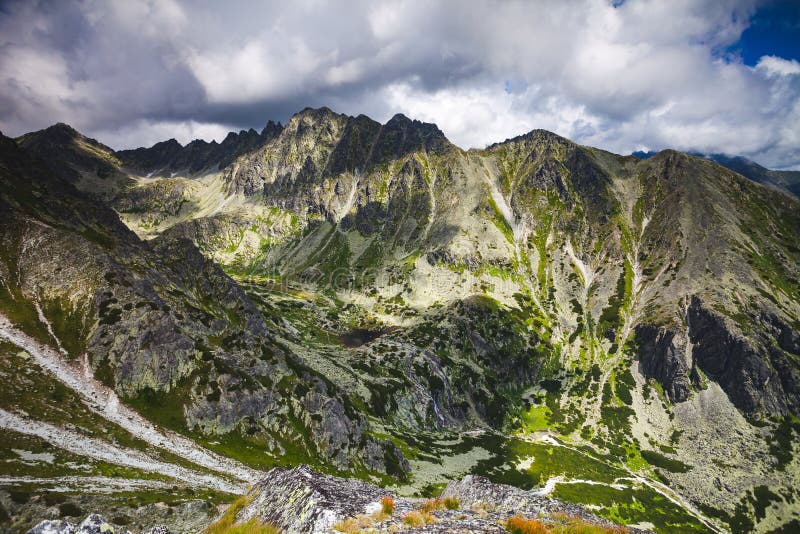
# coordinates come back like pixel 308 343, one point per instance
pixel 93 524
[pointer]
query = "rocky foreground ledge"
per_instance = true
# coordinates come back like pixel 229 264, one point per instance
pixel 300 500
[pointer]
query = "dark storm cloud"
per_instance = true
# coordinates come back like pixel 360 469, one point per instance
pixel 95 68
pixel 641 75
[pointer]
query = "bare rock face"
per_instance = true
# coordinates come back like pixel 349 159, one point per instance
pixel 752 379
pixel 755 371
pixel 662 354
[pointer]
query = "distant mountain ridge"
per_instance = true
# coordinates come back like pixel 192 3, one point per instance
pixel 787 181
pixel 170 157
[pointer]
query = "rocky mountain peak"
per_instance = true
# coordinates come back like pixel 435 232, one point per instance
pixel 169 144
pixel 271 129
pixel 401 136
pixel 62 143
pixel 416 129
pixel 58 134
pixel 61 129
pixel 320 114
pixel 536 136
pixel 170 157
pixel 318 143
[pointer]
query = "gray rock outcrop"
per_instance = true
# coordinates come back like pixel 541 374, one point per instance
pixel 300 500
pixel 93 524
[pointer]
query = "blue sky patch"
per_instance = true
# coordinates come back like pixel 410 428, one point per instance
pixel 774 31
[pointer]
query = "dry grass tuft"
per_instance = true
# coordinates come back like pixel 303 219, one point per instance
pixel 252 527
pixel 418 519
pixel 387 505
pixel 568 524
pixel 431 505
pixel 521 525
pixel 352 525
pixel 452 503
pixel 348 526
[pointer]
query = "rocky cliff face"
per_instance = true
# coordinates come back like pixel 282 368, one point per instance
pixel 733 361
pixel 371 299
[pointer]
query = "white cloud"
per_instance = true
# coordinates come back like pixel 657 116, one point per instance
pixel 777 66
pixel 476 117
pixel 43 87
pixel 147 133
pixel 647 73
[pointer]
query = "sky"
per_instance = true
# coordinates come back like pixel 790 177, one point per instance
pixel 701 75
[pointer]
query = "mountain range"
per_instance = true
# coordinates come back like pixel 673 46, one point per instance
pixel 375 302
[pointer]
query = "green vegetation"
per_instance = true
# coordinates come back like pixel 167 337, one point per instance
pixel 550 461
pixel 658 460
pixel 762 498
pixel 71 323
pixel 781 440
pixel 499 220
pixel 536 418
pixel 631 505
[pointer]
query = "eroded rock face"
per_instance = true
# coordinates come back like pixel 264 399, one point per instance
pixel 662 354
pixel 756 371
